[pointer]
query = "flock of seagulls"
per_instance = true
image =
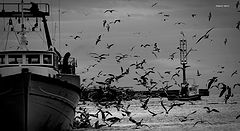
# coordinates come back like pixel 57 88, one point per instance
pixel 144 74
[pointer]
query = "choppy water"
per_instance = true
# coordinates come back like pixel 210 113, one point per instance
pixel 226 116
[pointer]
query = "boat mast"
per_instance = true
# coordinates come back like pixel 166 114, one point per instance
pixel 183 57
pixel 23 41
pixel 59 26
pixel 183 62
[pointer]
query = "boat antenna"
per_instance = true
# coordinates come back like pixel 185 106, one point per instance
pixel 59 26
pixel 22 32
pixel 22 26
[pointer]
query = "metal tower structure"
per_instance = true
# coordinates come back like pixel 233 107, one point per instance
pixel 183 57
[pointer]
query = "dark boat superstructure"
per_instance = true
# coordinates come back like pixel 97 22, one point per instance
pixel 188 92
pixel 34 93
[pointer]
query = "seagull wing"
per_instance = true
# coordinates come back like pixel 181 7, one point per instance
pixel 215 110
pixel 223 91
pixel 164 107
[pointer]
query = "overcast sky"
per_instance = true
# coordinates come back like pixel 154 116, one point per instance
pixel 145 22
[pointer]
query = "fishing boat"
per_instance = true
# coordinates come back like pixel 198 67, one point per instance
pixel 39 89
pixel 189 90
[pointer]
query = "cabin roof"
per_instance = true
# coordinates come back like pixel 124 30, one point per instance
pixel 25 52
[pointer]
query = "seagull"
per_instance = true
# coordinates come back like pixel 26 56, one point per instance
pixel 113 120
pixel 210 110
pixel 99 39
pixel 198 73
pixel 201 121
pixel 144 105
pixel 166 15
pixel 209 16
pixel 137 123
pixel 179 23
pixel 167 72
pixel 117 21
pixel 237 84
pixel 108 27
pixel 238 24
pixel 167 111
pixel 193 15
pixel 156 48
pixel 185 118
pixel 234 73
pixel 76 37
pixel 225 41
pixel 127 112
pixel 237 116
pixel 194 36
pixel 211 81
pixel 182 33
pixel 104 22
pixel 228 95
pixel 176 74
pixel 109 46
pixel 171 56
pixel 154 4
pixel 111 11
pixel 145 45
pixel 237 4
pixel 154 114
pixel 224 88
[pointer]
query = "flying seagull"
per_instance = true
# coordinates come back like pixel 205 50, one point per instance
pixel 201 121
pixel 99 39
pixel 193 15
pixel 104 22
pixel 138 123
pixel 225 41
pixel 234 73
pixel 117 21
pixel 111 11
pixel 154 4
pixel 237 4
pixel 198 73
pixel 211 81
pixel 238 24
pixel 76 37
pixel 209 16
pixel 210 110
pixel 109 45
pixel 154 114
pixel 185 118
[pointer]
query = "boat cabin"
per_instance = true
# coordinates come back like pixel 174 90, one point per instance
pixel 45 63
pixel 27 58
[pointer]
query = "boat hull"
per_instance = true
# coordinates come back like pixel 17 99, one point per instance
pixel 189 98
pixel 30 102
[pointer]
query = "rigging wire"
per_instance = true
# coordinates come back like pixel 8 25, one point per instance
pixel 42 38
pixel 19 42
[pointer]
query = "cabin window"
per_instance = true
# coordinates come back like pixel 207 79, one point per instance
pixel 15 59
pixel 33 59
pixel 47 59
pixel 2 59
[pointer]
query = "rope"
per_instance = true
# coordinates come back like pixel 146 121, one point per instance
pixel 5 48
pixel 44 42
